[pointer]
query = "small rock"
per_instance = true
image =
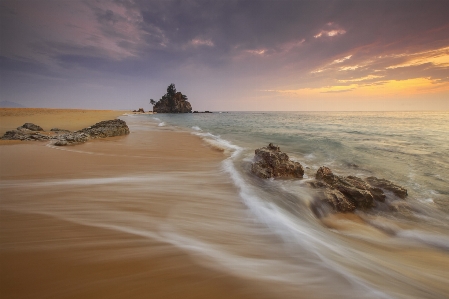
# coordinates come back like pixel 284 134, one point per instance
pixel 272 163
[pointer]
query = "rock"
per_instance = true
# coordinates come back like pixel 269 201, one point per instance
pixel 60 130
pixel 176 105
pixel 345 194
pixel 30 126
pixel 108 128
pixel 71 139
pixel 387 185
pixel 141 110
pixel 24 135
pixel 272 163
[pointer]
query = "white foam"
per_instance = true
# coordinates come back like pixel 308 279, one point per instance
pixel 155 118
pixel 161 124
pixel 196 128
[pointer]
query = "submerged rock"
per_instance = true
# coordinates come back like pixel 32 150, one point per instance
pixel 387 185
pixel 346 194
pixel 272 163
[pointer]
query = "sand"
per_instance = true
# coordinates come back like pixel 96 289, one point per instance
pixel 65 234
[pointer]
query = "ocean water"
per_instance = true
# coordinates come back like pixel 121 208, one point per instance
pixel 382 253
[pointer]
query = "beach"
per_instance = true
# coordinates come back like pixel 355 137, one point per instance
pixel 172 211
pixel 73 226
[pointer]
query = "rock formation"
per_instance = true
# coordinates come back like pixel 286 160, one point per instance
pixel 24 135
pixel 102 129
pixel 270 162
pixel 177 105
pixel 346 194
pixel 343 194
pixel 107 128
pixel 30 126
pixel 26 132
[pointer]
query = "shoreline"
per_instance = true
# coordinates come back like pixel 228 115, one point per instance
pixel 87 221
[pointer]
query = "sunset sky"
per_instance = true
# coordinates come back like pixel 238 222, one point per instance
pixel 226 55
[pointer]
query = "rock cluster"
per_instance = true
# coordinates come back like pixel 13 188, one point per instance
pixel 176 105
pixel 27 132
pixel 102 129
pixel 346 194
pixel 107 128
pixel 343 194
pixel 270 162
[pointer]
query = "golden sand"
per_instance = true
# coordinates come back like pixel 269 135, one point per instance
pixel 45 254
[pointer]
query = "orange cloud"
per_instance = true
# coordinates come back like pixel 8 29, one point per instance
pixel 384 88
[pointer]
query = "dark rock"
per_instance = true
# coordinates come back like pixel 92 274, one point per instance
pixel 345 194
pixel 108 128
pixel 24 134
pixel 272 163
pixel 140 110
pixel 71 139
pixel 31 127
pixel 387 185
pixel 57 130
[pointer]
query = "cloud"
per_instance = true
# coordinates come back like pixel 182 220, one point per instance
pixel 201 42
pixel 333 32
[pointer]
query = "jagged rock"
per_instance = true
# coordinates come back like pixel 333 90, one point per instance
pixel 177 105
pixel 24 135
pixel 108 128
pixel 141 110
pixel 71 139
pixel 345 194
pixel 387 185
pixel 30 126
pixel 272 163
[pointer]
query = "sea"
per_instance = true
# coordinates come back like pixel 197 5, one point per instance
pixel 396 250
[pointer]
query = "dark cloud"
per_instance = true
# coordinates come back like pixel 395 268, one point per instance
pixel 296 44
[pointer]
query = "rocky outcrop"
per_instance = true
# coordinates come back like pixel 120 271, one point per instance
pixel 177 104
pixel 102 129
pixel 71 139
pixel 26 132
pixel 346 194
pixel 108 128
pixel 24 135
pixel 270 162
pixel 30 126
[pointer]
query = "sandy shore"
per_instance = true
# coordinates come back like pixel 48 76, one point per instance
pixel 80 221
pixel 68 119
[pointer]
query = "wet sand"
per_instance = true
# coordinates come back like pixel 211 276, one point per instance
pixel 65 235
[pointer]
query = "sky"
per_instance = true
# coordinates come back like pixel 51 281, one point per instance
pixel 226 55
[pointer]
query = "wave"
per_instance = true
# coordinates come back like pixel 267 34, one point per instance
pixel 161 124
